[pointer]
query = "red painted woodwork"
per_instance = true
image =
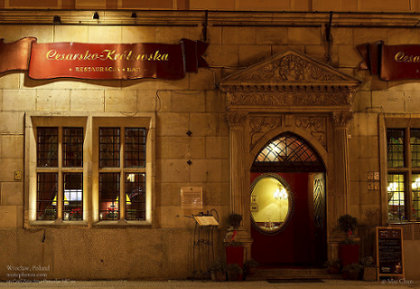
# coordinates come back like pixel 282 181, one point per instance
pixel 235 255
pixel 348 254
pixel 294 245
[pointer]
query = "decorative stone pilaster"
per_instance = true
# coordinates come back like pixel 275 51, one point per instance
pixel 341 162
pixel 238 177
pixel 236 121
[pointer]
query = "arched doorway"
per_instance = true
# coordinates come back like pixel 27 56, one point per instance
pixel 288 204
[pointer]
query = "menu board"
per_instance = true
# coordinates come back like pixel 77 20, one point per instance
pixel 206 221
pixel 389 252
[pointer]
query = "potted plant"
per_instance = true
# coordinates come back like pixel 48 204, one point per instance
pixel 333 266
pixel 234 249
pixel 234 272
pixel 218 272
pixel 235 220
pixel 348 250
pixel 352 271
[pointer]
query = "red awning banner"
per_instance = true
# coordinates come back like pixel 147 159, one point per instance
pixel 102 61
pixel 391 62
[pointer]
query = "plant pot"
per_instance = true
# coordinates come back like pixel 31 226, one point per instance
pixel 218 275
pixel 235 255
pixel 333 270
pixel 348 254
pixel 353 275
pixel 369 274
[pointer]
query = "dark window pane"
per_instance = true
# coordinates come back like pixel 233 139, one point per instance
pixel 135 147
pixel 109 147
pixel 396 197
pixel 73 147
pixel 47 146
pixel 415 187
pixel 395 144
pixel 73 197
pixel 46 201
pixel 135 194
pixel 109 192
pixel 415 147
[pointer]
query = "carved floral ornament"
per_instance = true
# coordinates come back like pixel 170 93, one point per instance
pixel 236 118
pixel 316 126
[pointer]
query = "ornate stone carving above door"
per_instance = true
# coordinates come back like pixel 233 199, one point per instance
pixel 282 97
pixel 289 82
pixel 290 67
pixel 260 125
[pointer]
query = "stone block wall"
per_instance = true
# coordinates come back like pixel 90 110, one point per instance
pixel 191 104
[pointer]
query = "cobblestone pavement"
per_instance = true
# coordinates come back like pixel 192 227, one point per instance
pixel 342 284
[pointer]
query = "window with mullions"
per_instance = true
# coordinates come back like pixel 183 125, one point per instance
pixel 403 189
pixel 122 154
pixel 89 170
pixel 59 180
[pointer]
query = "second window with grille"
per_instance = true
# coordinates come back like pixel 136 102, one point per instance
pixel 122 173
pixel 403 189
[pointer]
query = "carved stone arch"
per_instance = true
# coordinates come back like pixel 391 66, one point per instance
pixel 320 150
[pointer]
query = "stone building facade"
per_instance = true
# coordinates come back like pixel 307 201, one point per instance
pixel 269 73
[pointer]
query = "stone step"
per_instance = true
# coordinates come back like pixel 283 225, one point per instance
pixel 291 273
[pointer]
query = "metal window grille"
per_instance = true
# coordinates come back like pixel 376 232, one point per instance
pixel 109 192
pixel 395 147
pixel 73 197
pixel 135 192
pixel 415 191
pixel 109 147
pixel 287 152
pixel 135 147
pixel 47 146
pixel 415 147
pixel 73 147
pixel 46 201
pixel 396 197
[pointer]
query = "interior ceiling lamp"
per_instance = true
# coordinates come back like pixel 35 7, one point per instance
pixel 95 16
pixel 280 194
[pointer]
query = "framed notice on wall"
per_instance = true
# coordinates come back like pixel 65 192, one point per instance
pixel 389 252
pixel 192 197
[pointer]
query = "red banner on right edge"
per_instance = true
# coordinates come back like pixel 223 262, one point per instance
pixel 391 62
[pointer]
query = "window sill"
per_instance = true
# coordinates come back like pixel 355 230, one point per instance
pixel 404 223
pixel 122 223
pixel 58 223
pixel 100 224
